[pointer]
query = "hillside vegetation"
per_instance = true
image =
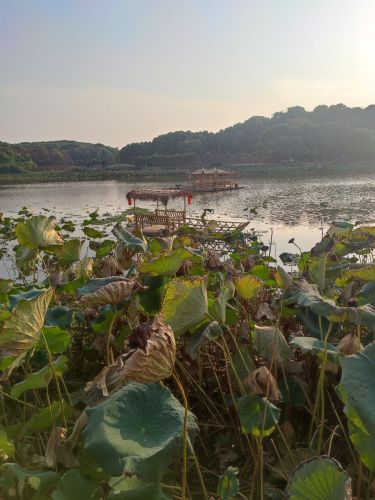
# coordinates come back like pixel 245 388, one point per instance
pixel 328 133
pixel 17 158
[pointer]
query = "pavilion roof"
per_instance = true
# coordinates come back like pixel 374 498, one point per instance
pixel 211 171
pixel 156 194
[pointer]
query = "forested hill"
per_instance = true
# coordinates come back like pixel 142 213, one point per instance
pixel 28 156
pixel 328 133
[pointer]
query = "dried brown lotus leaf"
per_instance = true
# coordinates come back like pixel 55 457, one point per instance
pixel 58 451
pixel 213 261
pixel 110 267
pixel 350 344
pixel 112 293
pixel 151 360
pixel 265 312
pixel 262 382
pixel 90 313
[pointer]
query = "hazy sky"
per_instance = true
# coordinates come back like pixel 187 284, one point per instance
pixel 118 71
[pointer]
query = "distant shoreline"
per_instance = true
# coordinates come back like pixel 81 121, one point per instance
pixel 154 174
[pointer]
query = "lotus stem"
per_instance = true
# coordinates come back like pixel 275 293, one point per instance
pixel 184 446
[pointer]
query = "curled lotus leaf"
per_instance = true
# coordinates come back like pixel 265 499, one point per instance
pixel 38 232
pixel 262 382
pixel 110 266
pixel 112 293
pixel 308 295
pixel 185 304
pixel 271 344
pixel 21 331
pixel 150 358
pixel 129 241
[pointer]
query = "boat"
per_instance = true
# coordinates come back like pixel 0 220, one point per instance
pixel 168 221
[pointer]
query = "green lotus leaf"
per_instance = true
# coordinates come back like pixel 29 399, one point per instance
pixel 312 325
pixel 42 378
pixel 4 314
pixel 30 484
pixel 325 246
pixel 108 314
pixel 138 430
pixel 271 344
pixel 320 478
pixel 22 330
pixel 103 248
pixel 131 488
pixel 283 279
pixel 6 446
pixel 152 300
pixel 201 337
pixel 362 316
pixel 166 265
pixel 293 390
pixel 247 286
pixel 69 252
pixel 94 215
pixel 94 284
pixel 241 365
pixel 31 293
pixel 68 226
pixel 54 414
pixel 366 273
pixel 185 304
pixel 309 296
pixel 57 339
pixel 257 415
pixel 219 307
pixel 317 270
pixel 91 232
pixel 60 316
pixel 113 293
pixel 228 485
pixel 5 287
pixel 366 294
pixel 357 391
pixel 38 232
pixel 340 228
pixel 73 486
pixel 84 267
pixel 159 245
pixel 130 241
pixel 25 258
pixel 289 258
pixel 316 346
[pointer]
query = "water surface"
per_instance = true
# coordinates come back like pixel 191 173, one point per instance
pixel 286 202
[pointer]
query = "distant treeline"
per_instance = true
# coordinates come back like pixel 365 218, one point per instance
pixel 326 134
pixel 29 156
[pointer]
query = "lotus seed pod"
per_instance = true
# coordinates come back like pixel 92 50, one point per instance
pixel 110 267
pixel 350 344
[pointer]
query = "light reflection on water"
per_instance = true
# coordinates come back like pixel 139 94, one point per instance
pixel 292 205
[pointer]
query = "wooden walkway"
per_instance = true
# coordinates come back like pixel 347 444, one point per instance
pixel 171 221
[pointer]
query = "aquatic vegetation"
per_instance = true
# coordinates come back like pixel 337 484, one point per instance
pixel 152 368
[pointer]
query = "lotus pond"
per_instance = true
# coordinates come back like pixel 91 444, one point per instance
pixel 152 369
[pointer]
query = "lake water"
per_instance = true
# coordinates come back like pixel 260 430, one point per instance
pixel 292 204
